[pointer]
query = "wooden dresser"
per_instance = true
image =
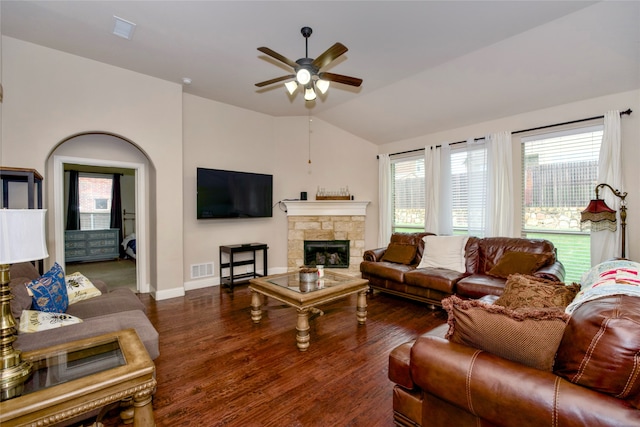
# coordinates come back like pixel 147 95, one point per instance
pixel 91 245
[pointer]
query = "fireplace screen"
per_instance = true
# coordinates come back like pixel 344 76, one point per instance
pixel 330 253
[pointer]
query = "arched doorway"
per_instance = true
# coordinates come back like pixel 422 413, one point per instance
pixel 107 153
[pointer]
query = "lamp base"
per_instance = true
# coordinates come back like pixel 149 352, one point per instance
pixel 13 371
pixel 12 379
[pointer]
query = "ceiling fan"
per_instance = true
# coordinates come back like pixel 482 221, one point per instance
pixel 307 70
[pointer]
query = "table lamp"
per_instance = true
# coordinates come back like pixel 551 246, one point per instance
pixel 602 217
pixel 22 238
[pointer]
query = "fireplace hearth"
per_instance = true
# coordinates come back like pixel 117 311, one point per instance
pixel 330 253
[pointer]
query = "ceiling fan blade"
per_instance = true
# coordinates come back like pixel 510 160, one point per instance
pixel 277 56
pixel 329 55
pixel 339 78
pixel 276 80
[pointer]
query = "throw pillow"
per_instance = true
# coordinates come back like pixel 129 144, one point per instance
pixel 80 288
pixel 519 262
pixel 36 321
pixel 528 337
pixel 49 291
pixel 444 252
pixel 401 254
pixel 524 291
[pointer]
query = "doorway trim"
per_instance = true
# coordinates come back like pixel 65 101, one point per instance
pixel 142 259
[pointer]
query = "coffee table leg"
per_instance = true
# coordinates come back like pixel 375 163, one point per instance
pixel 361 311
pixel 143 410
pixel 302 337
pixel 256 304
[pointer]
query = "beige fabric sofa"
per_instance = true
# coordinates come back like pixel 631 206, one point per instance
pixel 112 311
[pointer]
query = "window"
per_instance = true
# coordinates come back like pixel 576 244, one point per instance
pixel 468 189
pixel 95 201
pixel 560 171
pixel 407 187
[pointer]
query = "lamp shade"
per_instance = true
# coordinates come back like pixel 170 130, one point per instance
pixel 22 235
pixel 291 86
pixel 601 216
pixel 322 85
pixel 309 94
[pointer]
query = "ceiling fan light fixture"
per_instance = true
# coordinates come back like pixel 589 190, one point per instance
pixel 291 86
pixel 309 94
pixel 322 85
pixel 303 76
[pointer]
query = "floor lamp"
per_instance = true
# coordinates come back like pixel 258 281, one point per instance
pixel 602 217
pixel 22 238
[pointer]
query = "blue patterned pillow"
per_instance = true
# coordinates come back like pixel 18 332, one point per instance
pixel 50 291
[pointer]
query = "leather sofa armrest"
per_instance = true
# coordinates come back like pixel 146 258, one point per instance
pixel 553 272
pixel 470 379
pixel 374 255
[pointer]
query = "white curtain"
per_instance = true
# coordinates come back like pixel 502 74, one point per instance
pixel 476 187
pixel 437 176
pixel 605 244
pixel 445 213
pixel 432 189
pixel 384 200
pixel 500 196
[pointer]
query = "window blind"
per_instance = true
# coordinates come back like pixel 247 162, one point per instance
pixel 407 176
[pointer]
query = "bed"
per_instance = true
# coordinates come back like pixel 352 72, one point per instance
pixel 129 245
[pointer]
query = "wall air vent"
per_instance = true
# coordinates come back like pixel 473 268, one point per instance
pixel 199 271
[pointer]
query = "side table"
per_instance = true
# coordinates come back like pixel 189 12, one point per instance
pixel 79 377
pixel 231 250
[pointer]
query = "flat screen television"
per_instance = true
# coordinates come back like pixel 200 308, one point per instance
pixel 230 194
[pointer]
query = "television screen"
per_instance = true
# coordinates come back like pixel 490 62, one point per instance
pixel 229 194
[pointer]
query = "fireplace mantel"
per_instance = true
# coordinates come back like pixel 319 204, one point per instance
pixel 326 207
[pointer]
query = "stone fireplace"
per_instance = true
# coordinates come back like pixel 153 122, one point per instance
pixel 324 221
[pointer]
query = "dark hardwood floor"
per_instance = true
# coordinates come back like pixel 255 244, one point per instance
pixel 217 368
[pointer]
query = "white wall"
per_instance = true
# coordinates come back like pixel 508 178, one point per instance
pixel 221 136
pixel 51 96
pixel 630 135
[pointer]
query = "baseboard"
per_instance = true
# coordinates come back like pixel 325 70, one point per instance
pixel 168 293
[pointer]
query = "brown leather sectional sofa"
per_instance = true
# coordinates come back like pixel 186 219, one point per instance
pixel 594 381
pixel 431 285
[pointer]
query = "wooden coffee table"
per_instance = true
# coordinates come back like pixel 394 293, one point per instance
pixel 305 296
pixel 76 378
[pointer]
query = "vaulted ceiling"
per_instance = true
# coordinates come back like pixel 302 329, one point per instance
pixel 427 65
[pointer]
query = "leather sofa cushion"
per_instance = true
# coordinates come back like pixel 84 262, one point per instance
pixel 439 279
pixel 414 239
pixel 402 254
pixel 491 249
pixel 601 345
pixel 519 262
pixel 385 270
pixel 479 285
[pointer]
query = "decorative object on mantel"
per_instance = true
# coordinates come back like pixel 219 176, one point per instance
pixel 306 70
pixel 342 194
pixel 22 238
pixel 602 217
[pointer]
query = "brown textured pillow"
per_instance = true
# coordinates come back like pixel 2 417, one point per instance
pixel 600 347
pixel 401 254
pixel 519 262
pixel 528 337
pixel 524 291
